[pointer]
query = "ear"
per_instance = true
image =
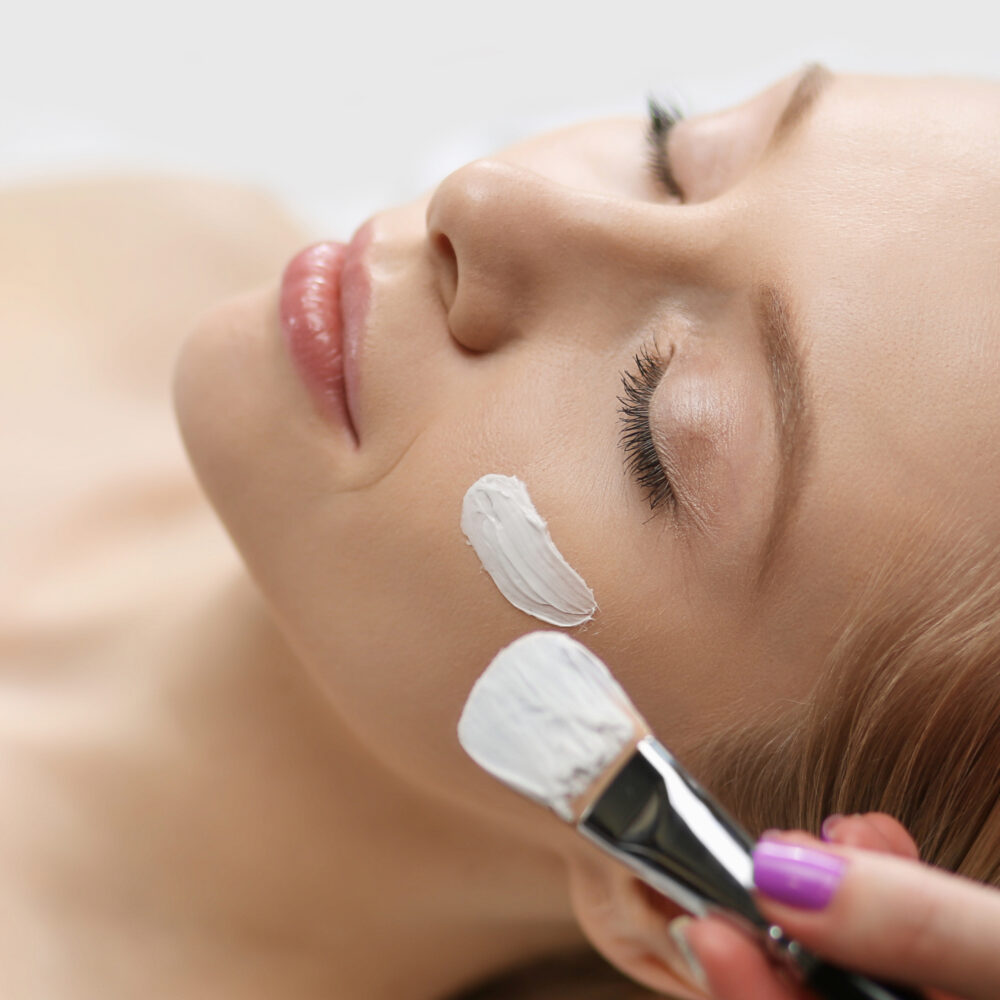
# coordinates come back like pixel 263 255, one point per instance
pixel 626 922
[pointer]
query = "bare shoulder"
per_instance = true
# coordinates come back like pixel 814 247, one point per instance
pixel 134 213
pixel 106 207
pixel 101 279
pixel 115 259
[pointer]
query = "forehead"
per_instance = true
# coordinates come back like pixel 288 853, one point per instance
pixel 886 215
pixel 899 146
pixel 885 221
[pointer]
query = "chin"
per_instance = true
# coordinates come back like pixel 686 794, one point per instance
pixel 219 383
pixel 245 428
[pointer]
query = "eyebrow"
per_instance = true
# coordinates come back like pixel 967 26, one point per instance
pixel 775 326
pixel 793 415
pixel 775 321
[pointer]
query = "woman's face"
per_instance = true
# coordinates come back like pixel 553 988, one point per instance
pixel 823 301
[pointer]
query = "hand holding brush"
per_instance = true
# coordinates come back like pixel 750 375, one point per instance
pixel 549 720
pixel 875 908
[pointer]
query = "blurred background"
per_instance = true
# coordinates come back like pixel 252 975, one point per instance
pixel 342 108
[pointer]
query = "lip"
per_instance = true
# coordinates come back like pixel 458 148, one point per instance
pixel 323 305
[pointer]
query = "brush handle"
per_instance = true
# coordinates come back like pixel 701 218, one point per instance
pixel 656 819
pixel 831 982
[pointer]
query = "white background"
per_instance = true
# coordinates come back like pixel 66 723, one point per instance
pixel 342 108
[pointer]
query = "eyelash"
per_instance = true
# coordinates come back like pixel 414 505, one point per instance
pixel 642 462
pixel 662 118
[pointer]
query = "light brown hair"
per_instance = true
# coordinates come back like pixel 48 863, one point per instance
pixel 905 718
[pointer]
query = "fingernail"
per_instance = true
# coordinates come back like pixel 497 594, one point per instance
pixel 829 827
pixel 682 958
pixel 799 876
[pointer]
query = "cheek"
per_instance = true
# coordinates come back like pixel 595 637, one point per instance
pixel 392 610
pixel 394 615
pixel 377 590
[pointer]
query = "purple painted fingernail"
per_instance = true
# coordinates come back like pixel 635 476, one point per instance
pixel 799 876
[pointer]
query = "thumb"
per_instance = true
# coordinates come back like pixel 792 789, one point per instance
pixel 889 917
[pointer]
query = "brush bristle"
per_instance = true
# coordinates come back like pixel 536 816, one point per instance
pixel 546 718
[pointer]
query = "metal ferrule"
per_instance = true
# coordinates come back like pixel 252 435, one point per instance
pixel 657 820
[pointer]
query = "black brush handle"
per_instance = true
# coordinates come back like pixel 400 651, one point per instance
pixel 834 983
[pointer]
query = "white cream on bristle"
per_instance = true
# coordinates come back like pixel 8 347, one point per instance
pixel 546 717
pixel 513 543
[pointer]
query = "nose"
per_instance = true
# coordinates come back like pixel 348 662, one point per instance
pixel 516 254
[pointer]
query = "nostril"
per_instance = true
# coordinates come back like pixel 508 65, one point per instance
pixel 446 266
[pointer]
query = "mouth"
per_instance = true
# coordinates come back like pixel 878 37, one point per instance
pixel 323 305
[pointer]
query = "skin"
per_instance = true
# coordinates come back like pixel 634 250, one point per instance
pixel 890 916
pixel 293 777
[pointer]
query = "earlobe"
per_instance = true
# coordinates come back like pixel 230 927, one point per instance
pixel 627 923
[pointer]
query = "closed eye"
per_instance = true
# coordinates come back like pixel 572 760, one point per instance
pixel 642 462
pixel 661 120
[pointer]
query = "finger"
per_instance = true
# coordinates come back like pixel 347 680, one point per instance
pixel 735 966
pixel 870 831
pixel 886 916
pixel 873 831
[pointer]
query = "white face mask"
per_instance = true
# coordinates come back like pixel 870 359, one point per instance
pixel 513 543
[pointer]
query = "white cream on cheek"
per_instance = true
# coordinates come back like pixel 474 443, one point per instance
pixel 513 543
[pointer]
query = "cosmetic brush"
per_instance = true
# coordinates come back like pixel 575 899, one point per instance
pixel 549 720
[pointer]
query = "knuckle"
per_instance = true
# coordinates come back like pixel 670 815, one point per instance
pixel 921 934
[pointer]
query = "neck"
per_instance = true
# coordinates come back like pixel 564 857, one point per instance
pixel 275 856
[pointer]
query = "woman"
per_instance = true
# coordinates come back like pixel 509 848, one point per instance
pixel 219 787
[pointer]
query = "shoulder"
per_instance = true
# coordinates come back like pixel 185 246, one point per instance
pixel 117 269
pixel 166 200
pixel 96 254
pixel 100 281
pixel 108 211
